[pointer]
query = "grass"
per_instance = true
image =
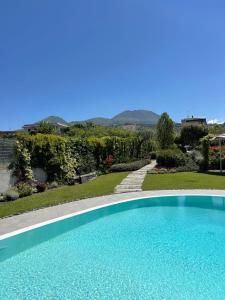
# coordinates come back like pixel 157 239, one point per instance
pixel 103 185
pixel 183 180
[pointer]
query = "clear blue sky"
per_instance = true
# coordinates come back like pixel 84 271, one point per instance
pixel 86 58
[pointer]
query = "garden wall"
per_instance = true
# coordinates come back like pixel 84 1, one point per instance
pixel 6 180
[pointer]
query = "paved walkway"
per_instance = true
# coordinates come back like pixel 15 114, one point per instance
pixel 19 222
pixel 133 182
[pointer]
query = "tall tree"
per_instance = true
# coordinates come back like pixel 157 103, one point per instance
pixel 191 135
pixel 165 131
pixel 45 128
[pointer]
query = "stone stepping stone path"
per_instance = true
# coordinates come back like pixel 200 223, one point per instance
pixel 133 182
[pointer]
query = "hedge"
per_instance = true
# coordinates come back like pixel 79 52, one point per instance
pixel 133 166
pixel 63 157
pixel 171 158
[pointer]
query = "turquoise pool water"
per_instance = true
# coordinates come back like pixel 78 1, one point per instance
pixel 159 248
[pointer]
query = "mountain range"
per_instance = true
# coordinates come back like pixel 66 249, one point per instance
pixel 138 117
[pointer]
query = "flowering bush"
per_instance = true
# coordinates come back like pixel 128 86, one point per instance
pixel 22 163
pixel 11 194
pixel 41 187
pixel 24 189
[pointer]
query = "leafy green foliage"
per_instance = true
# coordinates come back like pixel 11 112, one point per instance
pixel 214 157
pixel 165 131
pixel 51 153
pixel 22 162
pixel 41 187
pixel 132 166
pixel 103 185
pixel 171 158
pixel 62 157
pixel 191 135
pixel 216 129
pixel 83 151
pixel 90 130
pixel 24 189
pixel 44 128
pixel 11 195
pixel 204 166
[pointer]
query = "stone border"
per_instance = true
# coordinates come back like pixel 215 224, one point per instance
pixel 27 221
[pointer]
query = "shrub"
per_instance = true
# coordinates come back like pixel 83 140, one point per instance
pixel 165 131
pixel 153 155
pixel 171 158
pixel 53 185
pixel 214 163
pixel 188 167
pixel 21 165
pixel 191 135
pixel 82 150
pixel 62 157
pixel 45 128
pixel 204 166
pixel 133 166
pixel 11 194
pixel 196 156
pixel 41 187
pixel 24 189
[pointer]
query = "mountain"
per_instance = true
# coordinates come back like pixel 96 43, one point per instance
pixel 137 117
pixel 100 121
pixel 54 119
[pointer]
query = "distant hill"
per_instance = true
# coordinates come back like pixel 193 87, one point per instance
pixel 100 121
pixel 54 119
pixel 137 117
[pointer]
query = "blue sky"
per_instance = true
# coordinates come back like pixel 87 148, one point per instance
pixel 86 58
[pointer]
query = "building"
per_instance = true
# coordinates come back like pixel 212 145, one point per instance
pixel 59 127
pixel 193 122
pixel 131 127
pixel 7 133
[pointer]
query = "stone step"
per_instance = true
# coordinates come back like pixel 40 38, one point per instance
pixel 132 181
pixel 130 186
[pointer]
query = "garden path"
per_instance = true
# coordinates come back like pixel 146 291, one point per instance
pixel 133 182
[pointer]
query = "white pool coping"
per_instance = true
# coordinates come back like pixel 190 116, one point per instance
pixel 27 221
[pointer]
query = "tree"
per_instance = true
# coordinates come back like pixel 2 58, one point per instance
pixel 165 131
pixel 45 128
pixel 217 128
pixel 191 135
pixel 205 142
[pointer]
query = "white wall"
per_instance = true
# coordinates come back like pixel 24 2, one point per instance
pixel 6 180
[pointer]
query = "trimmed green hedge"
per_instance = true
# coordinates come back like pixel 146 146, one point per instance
pixel 132 166
pixel 171 158
pixel 63 157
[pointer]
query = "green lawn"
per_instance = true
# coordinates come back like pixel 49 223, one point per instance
pixel 103 185
pixel 183 180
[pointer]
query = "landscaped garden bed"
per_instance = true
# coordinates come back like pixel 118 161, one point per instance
pixel 103 185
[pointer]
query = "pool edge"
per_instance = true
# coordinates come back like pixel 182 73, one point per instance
pixel 102 203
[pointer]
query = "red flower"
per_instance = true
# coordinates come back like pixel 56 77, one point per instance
pixel 109 159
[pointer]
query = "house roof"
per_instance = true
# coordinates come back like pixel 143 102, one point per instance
pixel 194 119
pixel 37 124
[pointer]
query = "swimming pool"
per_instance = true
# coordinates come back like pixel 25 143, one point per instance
pixel 156 248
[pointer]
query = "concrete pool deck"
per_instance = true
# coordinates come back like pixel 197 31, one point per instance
pixel 18 222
